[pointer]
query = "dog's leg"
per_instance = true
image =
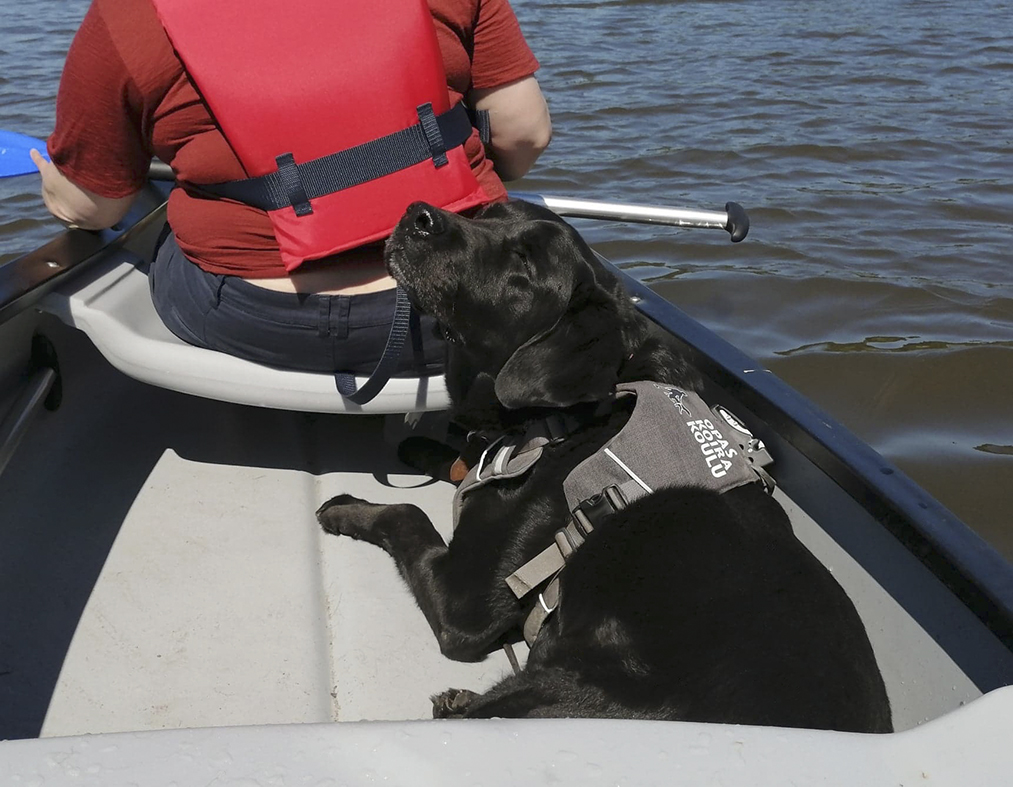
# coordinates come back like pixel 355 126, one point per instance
pixel 464 704
pixel 453 703
pixel 464 624
pixel 433 458
pixel 519 696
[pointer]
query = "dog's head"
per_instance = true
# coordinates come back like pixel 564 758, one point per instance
pixel 521 296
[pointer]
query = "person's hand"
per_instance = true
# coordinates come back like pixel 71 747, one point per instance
pixel 51 183
pixel 74 205
pixel 39 159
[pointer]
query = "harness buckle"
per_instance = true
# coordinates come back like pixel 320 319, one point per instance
pixel 589 513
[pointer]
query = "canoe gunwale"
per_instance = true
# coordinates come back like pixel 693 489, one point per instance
pixel 25 280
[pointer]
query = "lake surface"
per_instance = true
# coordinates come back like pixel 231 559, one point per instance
pixel 870 143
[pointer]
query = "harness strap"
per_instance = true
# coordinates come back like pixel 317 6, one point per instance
pixel 480 120
pixel 548 563
pixel 548 600
pixel 294 185
pixel 513 455
pixel 769 484
pixel 533 573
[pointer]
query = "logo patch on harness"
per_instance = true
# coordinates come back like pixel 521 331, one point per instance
pixel 678 398
pixel 717 452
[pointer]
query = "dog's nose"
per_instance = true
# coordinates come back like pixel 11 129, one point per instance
pixel 425 219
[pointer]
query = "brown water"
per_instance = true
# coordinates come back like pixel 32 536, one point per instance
pixel 870 143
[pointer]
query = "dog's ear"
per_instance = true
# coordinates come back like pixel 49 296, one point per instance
pixel 576 360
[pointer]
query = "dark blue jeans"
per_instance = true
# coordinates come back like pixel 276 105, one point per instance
pixel 311 333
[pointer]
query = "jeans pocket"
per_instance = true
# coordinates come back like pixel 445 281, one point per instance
pixel 199 295
pixel 181 328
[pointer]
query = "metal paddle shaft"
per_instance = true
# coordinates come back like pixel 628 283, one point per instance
pixel 734 218
pixel 14 160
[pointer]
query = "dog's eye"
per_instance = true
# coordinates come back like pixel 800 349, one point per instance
pixel 522 257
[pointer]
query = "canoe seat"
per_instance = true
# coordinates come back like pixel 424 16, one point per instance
pixel 111 303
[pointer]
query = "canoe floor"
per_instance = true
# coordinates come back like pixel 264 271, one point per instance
pixel 162 568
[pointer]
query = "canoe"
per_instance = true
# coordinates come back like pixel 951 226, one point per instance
pixel 172 614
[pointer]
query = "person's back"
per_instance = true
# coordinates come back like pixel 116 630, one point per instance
pixel 219 280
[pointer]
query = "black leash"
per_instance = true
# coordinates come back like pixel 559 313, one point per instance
pixel 345 381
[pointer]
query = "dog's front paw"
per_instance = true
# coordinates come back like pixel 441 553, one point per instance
pixel 453 703
pixel 345 515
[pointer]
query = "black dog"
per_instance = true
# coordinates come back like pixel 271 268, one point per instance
pixel 686 604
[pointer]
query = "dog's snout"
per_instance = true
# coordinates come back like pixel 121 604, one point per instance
pixel 425 219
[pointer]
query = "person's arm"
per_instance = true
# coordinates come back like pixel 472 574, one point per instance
pixel 98 149
pixel 76 205
pixel 520 124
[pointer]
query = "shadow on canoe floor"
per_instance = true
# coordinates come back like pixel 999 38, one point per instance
pixel 72 483
pixel 65 495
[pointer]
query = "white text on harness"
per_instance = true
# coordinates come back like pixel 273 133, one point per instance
pixel 716 450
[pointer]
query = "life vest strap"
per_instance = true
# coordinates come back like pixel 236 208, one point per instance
pixel 294 185
pixel 480 119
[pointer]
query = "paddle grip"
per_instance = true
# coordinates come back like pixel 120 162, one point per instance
pixel 738 221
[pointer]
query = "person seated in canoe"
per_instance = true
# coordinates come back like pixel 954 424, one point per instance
pixel 298 135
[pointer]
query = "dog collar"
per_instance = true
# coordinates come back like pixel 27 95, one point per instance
pixel 512 455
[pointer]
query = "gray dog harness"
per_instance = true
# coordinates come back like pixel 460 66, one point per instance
pixel 672 439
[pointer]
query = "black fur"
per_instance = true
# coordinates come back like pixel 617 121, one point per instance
pixel 686 605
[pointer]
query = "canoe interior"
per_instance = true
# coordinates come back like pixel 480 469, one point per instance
pixel 162 567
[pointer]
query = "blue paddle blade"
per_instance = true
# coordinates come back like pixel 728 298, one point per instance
pixel 14 158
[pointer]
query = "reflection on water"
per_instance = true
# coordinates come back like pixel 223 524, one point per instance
pixel 870 146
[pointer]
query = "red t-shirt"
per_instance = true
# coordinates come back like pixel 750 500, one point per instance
pixel 124 97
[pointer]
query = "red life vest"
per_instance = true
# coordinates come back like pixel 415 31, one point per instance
pixel 327 105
